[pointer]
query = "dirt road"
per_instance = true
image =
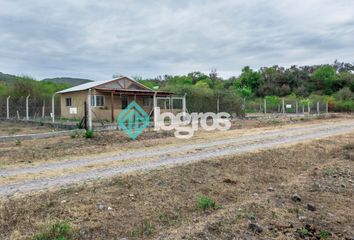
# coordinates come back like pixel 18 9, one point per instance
pixel 60 173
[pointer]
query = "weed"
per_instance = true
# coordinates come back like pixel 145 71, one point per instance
pixel 75 134
pixel 89 133
pixel 204 202
pixel 18 142
pixel 328 171
pixel 324 234
pixel 316 187
pixel 146 229
pixel 304 232
pixel 56 231
pixel 250 215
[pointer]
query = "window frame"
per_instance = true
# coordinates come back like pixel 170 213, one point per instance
pixel 66 101
pixel 94 100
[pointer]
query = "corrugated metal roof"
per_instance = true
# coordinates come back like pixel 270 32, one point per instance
pixel 87 86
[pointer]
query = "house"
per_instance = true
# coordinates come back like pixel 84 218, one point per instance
pixel 108 98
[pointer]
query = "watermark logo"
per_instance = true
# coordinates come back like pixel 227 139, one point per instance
pixel 133 120
pixel 186 124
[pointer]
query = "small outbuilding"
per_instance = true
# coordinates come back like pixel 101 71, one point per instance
pixel 108 98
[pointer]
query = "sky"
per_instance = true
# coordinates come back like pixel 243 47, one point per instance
pixel 95 39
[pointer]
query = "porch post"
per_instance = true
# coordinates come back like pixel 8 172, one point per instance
pixel 155 106
pixel 112 107
pixel 89 113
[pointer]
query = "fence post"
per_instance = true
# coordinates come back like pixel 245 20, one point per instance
pixel 43 109
pixel 327 107
pixel 217 104
pixel 308 108
pixel 318 107
pixel 283 105
pixel 53 99
pixel 89 113
pixel 303 109
pixel 27 117
pixel 8 107
pixel 265 106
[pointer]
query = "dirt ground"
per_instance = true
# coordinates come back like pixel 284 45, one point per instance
pixel 254 193
pixel 18 128
pixel 28 152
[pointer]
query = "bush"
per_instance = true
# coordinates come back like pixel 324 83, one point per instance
pixel 89 133
pixel 204 202
pixel 344 106
pixel 56 231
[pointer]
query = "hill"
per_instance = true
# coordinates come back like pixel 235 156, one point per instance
pixel 7 77
pixel 67 80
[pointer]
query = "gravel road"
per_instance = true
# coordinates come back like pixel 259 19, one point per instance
pixel 36 178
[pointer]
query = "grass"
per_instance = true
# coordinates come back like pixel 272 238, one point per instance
pixel 55 231
pixel 204 203
pixel 324 234
pixel 304 232
pixel 145 229
pixel 89 133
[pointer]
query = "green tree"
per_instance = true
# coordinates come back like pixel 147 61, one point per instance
pixel 323 80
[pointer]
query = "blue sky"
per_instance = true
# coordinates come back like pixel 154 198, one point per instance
pixel 96 39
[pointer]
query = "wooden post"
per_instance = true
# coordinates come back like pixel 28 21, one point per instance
pixel 8 107
pixel 85 115
pixel 303 109
pixel 112 107
pixel 184 107
pixel 155 106
pixel 27 114
pixel 318 107
pixel 265 106
pixel 283 105
pixel 217 104
pixel 327 107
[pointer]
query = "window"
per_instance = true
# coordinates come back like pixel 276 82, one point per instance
pixel 97 101
pixel 147 101
pixel 68 101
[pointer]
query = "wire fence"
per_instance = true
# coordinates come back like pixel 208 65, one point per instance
pixel 28 108
pixel 40 108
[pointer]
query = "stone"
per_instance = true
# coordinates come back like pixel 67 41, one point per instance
pixel 254 227
pixel 101 206
pixel 311 207
pixel 270 189
pixel 296 198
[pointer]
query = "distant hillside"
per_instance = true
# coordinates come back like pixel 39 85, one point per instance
pixel 7 77
pixel 71 81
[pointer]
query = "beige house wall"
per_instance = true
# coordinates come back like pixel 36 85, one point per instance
pixel 98 113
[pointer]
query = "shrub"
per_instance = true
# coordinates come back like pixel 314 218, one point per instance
pixel 56 231
pixel 344 106
pixel 89 133
pixel 75 134
pixel 204 202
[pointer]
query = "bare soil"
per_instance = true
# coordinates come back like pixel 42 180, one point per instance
pixel 28 152
pixel 18 128
pixel 252 188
